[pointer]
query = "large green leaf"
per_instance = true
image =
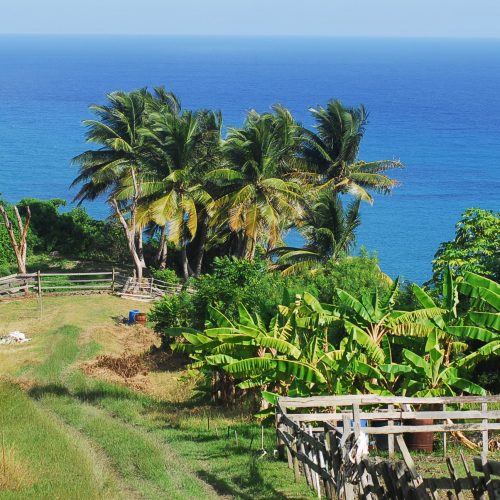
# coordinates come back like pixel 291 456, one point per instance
pixel 374 352
pixel 177 332
pixel 481 288
pixel 350 302
pixel 282 346
pixel 245 317
pixel 482 282
pixel 196 339
pixel 219 318
pixel 468 386
pixel 450 293
pixel 220 331
pixel 395 369
pixel 472 333
pixel 423 297
pixel 256 366
pixel 219 359
pixel 485 319
pixel 487 351
pixel 415 360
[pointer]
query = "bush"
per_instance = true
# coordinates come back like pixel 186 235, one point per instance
pixel 167 275
pixel 475 247
pixel 74 233
pixel 360 275
pixel 173 311
pixel 234 282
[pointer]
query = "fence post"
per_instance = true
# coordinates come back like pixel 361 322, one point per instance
pixel 113 280
pixel 39 283
pixel 484 409
pixel 390 437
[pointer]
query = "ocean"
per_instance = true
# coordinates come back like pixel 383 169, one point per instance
pixel 433 103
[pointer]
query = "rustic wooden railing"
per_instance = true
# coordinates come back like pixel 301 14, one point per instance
pixel 39 283
pixel 149 288
pixel 18 285
pixel 321 436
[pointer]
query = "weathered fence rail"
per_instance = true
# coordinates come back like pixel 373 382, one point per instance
pixel 325 439
pixel 113 281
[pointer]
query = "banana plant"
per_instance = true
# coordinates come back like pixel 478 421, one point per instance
pixel 371 320
pixel 429 375
pixel 473 319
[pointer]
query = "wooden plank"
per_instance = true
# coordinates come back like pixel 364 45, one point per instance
pixel 473 483
pixel 398 415
pixel 322 401
pixel 390 481
pixel 431 428
pixel 357 423
pixel 456 484
pixel 70 281
pixel 390 438
pixel 104 273
pixel 484 407
pixel 303 455
pixel 407 458
pixel 76 287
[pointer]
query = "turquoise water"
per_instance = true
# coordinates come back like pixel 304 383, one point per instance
pixel 435 104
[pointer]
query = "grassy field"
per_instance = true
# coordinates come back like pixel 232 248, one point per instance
pixel 71 428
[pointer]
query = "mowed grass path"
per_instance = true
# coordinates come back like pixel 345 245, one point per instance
pixel 70 436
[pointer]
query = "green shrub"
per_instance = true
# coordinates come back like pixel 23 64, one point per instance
pixel 167 275
pixel 475 247
pixel 74 233
pixel 173 311
pixel 252 284
pixel 360 275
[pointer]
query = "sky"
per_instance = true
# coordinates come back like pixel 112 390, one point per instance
pixel 372 18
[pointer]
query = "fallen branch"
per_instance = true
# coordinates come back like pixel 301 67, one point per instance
pixel 459 436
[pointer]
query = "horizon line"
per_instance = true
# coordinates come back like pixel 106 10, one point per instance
pixel 257 35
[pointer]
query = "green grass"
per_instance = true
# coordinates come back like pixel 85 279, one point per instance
pixel 95 439
pixel 53 461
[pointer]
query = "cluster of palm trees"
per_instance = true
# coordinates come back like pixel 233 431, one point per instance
pixel 177 174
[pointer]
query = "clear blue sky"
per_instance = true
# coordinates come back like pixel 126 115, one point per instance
pixel 414 18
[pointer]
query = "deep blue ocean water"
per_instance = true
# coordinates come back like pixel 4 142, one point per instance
pixel 435 104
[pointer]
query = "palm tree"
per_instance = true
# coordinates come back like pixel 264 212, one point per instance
pixel 260 194
pixel 118 130
pixel 174 194
pixel 329 230
pixel 331 153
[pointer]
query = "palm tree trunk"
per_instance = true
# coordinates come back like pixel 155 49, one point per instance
pixel 131 234
pixel 161 256
pixel 140 247
pixel 250 252
pixel 184 261
pixel 202 238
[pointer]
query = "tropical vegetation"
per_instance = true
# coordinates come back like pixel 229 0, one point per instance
pixel 353 345
pixel 175 173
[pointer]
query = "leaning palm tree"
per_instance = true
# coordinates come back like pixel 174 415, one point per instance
pixel 331 153
pixel 329 230
pixel 118 130
pixel 260 193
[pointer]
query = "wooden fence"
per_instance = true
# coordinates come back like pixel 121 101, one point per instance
pixel 39 283
pixel 148 289
pixel 326 441
pixel 17 285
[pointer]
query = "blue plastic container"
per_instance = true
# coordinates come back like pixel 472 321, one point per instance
pixel 131 316
pixel 362 423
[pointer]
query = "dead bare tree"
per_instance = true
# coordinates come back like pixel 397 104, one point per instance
pixel 20 247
